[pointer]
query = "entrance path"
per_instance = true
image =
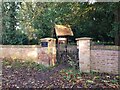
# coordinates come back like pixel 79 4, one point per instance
pixel 30 78
pixel 24 77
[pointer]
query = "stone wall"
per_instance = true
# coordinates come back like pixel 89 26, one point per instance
pixel 97 58
pixel 36 53
pixel 100 60
pixel 105 61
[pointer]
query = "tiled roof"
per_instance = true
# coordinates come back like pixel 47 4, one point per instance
pixel 63 30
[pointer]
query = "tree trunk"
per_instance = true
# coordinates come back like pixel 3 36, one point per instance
pixel 117 19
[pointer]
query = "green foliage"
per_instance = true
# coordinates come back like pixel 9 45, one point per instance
pixel 16 63
pixel 71 74
pixel 89 79
pixel 72 63
pixel 12 35
pixel 114 81
pixel 27 22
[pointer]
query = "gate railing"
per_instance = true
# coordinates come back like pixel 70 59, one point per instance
pixel 69 57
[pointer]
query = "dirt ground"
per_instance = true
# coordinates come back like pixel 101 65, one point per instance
pixel 24 77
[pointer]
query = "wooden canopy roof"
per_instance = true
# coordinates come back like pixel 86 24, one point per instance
pixel 61 30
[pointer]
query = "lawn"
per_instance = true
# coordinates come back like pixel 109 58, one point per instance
pixel 19 74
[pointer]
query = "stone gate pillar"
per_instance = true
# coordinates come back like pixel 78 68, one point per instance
pixel 84 53
pixel 47 52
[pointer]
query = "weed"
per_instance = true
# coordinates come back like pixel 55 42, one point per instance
pixel 27 64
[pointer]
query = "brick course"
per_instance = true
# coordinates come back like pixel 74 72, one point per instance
pixel 105 61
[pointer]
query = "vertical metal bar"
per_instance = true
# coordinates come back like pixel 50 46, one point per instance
pixel 57 50
pixel 66 50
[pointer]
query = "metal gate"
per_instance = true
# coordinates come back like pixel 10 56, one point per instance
pixel 68 54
